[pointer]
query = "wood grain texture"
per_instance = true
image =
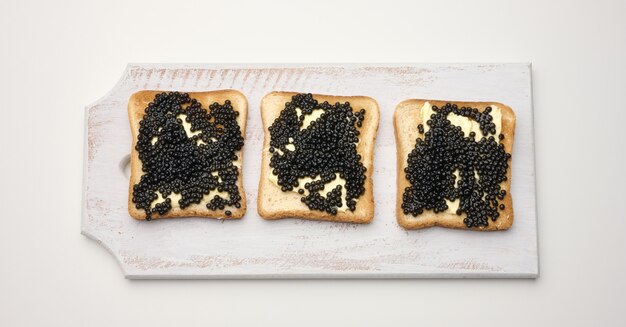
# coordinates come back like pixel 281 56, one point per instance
pixel 256 248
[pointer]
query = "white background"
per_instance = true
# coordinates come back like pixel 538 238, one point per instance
pixel 56 57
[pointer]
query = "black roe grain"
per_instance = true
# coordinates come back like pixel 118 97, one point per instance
pixel 326 150
pixel 444 150
pixel 191 166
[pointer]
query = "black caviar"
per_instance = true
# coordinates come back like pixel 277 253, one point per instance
pixel 191 166
pixel 323 151
pixel 444 150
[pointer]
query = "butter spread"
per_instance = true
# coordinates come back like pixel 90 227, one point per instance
pixel 325 152
pixel 314 115
pixel 175 197
pixel 188 131
pixel 327 187
pixel 467 125
pixel 177 163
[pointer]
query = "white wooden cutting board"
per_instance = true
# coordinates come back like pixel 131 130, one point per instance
pixel 292 248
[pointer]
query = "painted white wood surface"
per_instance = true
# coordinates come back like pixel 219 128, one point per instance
pixel 292 248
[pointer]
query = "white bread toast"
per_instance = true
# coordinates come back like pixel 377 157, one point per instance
pixel 136 110
pixel 273 203
pixel 406 118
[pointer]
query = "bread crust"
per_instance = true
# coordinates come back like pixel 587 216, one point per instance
pixel 273 203
pixel 136 109
pixel 405 119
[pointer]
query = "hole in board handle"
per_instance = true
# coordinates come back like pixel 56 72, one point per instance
pixel 125 166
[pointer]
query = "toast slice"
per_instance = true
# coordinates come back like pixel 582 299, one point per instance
pixel 407 117
pixel 137 105
pixel 273 203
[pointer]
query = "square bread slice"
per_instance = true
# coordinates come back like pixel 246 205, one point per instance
pixel 136 110
pixel 407 117
pixel 273 203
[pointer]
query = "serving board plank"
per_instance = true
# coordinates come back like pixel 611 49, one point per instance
pixel 292 248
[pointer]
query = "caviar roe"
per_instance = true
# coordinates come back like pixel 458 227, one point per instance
pixel 482 165
pixel 326 150
pixel 191 166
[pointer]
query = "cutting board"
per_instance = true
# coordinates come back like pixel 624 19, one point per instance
pixel 293 248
